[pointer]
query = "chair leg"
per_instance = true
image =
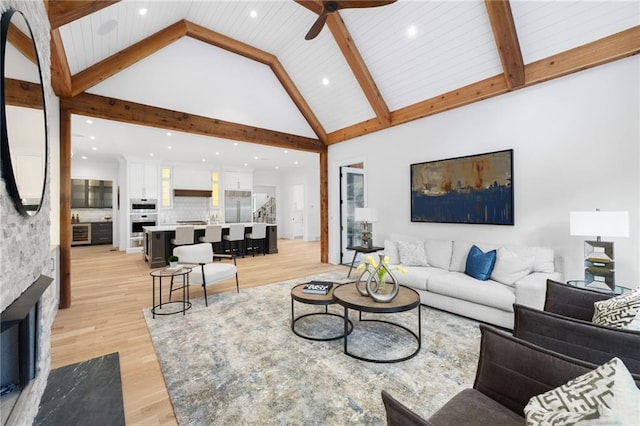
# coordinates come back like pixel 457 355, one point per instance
pixel 170 288
pixel 264 243
pixel 204 289
pixel 237 284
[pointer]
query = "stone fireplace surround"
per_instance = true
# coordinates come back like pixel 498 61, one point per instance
pixel 25 251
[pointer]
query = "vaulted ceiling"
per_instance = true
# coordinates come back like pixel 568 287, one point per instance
pixel 242 70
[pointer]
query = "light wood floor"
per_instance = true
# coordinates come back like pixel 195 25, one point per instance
pixel 109 290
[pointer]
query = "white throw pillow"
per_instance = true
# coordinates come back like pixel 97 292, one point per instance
pixel 619 311
pixel 605 396
pixel 510 267
pixel 412 253
pixel 391 250
pixel 459 255
pixel 439 253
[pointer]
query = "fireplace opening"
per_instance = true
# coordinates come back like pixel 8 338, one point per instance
pixel 19 344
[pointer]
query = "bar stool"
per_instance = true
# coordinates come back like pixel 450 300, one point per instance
pixel 213 235
pixel 258 234
pixel 236 235
pixel 184 236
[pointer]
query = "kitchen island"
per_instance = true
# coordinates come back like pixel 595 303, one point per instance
pixel 157 240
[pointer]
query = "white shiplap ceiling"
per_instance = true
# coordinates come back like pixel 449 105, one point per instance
pixel 453 46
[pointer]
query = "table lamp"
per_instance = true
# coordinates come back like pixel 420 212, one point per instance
pixel 599 258
pixel 366 215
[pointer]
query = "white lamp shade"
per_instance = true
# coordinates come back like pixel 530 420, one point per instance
pixel 599 224
pixel 366 214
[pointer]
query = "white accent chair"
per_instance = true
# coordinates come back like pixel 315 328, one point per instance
pixel 212 235
pixel 236 235
pixel 258 234
pixel 204 272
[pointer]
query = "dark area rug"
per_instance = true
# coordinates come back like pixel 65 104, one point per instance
pixel 86 393
pixel 237 362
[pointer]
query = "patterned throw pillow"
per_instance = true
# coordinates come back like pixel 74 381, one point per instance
pixel 605 396
pixel 412 253
pixel 480 264
pixel 391 250
pixel 510 267
pixel 619 311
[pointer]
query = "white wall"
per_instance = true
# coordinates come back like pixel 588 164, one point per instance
pixel 310 179
pixel 576 147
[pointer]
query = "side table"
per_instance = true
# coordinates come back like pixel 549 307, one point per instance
pixel 598 286
pixel 170 273
pixel 361 249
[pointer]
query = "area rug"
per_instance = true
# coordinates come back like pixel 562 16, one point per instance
pixel 238 362
pixel 85 393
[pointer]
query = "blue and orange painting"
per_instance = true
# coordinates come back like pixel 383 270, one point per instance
pixel 475 189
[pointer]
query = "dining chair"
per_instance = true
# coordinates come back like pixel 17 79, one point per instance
pixel 204 272
pixel 235 238
pixel 258 234
pixel 212 235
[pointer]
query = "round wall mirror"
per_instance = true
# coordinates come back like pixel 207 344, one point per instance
pixel 24 129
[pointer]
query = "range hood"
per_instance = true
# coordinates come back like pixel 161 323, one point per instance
pixel 192 193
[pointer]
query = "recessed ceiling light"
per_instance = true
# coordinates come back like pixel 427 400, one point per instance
pixel 142 11
pixel 151 154
pixel 253 14
pixel 168 133
pixel 204 160
pixel 235 144
pixel 277 167
pixel 89 121
pixel 217 153
pixel 92 137
pixel 325 81
pixel 95 148
pixel 412 31
pixel 286 152
pixel 255 157
pixel 246 164
pixel 295 162
pixel 84 157
pixel 169 147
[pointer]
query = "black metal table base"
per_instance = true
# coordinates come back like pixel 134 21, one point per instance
pixel 348 330
pixel 418 338
pixel 157 309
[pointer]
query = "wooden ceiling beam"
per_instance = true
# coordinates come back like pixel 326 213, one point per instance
pixel 608 49
pixel 125 58
pixel 358 67
pixel 506 37
pixel 134 113
pixel 216 39
pixel 22 93
pixel 62 12
pixel 60 73
pixel 22 43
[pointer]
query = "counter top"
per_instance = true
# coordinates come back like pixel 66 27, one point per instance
pixel 91 221
pixel 164 228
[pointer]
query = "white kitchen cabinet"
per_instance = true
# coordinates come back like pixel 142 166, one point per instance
pixel 238 180
pixel 144 180
pixel 184 178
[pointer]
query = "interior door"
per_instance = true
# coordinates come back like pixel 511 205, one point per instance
pixel 351 196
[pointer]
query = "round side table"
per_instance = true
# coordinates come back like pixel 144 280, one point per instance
pixel 158 275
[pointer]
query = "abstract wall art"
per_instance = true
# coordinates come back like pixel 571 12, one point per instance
pixel 476 189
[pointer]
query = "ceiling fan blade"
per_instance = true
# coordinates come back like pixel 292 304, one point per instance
pixel 316 27
pixel 348 4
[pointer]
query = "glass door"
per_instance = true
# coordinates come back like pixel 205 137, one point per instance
pixel 351 196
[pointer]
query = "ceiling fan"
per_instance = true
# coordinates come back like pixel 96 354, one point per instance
pixel 332 6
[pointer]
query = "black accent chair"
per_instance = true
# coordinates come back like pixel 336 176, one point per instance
pixel 565 327
pixel 572 302
pixel 510 372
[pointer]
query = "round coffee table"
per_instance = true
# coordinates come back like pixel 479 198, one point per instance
pixel 315 299
pixel 348 296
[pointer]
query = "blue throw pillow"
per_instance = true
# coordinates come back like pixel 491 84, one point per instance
pixel 480 264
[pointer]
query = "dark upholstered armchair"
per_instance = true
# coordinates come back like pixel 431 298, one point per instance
pixel 566 328
pixel 570 301
pixel 510 372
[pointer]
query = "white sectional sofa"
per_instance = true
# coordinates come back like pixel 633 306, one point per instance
pixel 437 273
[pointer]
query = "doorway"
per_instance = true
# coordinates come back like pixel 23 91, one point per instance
pixel 352 195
